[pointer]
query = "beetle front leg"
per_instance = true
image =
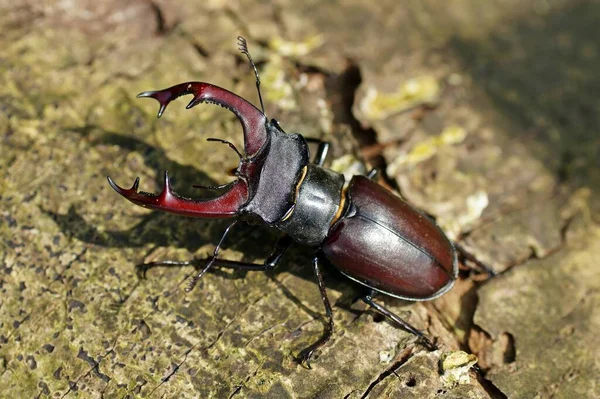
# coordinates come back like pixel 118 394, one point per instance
pixel 283 243
pixel 305 356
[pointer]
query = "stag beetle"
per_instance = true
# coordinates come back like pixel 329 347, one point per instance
pixel 368 233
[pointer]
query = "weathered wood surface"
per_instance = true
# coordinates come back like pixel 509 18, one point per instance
pixel 485 114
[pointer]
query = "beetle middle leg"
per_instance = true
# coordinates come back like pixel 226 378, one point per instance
pixel 304 356
pixel 368 299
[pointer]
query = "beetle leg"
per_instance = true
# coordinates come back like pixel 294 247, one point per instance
pixel 211 260
pixel 322 150
pixel 372 173
pixel 142 268
pixel 368 299
pixel 470 257
pixel 283 243
pixel 253 121
pixel 225 206
pixel 270 263
pixel 304 356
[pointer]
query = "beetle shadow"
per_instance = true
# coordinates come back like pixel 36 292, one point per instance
pixel 161 229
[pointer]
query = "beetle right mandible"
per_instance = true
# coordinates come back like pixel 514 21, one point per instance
pixel 368 233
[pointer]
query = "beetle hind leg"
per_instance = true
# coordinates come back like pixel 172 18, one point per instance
pixel 368 299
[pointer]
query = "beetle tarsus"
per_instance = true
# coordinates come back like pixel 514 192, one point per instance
pixel 304 357
pixel 426 342
pixel 142 268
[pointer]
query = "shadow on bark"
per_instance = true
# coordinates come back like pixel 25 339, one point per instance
pixel 542 74
pixel 161 229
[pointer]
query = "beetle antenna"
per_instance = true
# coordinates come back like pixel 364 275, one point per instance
pixel 229 143
pixel 219 187
pixel 243 47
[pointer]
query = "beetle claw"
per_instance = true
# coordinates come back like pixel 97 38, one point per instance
pixel 124 191
pixel 224 206
pixel 141 270
pixel 163 98
pixel 428 344
pixel 304 358
pixel 253 120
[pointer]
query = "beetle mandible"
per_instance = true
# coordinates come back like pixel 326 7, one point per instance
pixel 368 233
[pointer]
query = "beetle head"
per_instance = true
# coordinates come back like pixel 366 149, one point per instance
pixel 254 125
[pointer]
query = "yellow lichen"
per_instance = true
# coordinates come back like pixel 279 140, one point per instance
pixel 455 368
pixel 295 49
pixel 348 165
pixel 426 149
pixel 420 90
pixel 279 91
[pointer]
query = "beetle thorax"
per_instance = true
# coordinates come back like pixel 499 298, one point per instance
pixel 318 201
pixel 281 162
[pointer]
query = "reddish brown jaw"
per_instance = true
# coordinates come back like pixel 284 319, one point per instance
pixel 224 206
pixel 252 119
pixel 255 136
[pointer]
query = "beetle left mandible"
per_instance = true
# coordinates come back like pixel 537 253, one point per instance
pixel 364 230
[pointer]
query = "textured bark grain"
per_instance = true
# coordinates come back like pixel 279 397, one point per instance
pixel 485 114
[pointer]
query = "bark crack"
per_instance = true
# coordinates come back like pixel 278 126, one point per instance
pixel 94 368
pixel 252 375
pixel 403 357
pixel 204 349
